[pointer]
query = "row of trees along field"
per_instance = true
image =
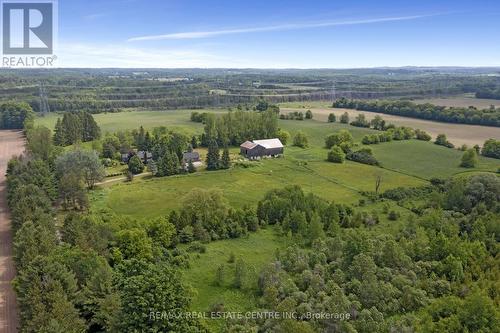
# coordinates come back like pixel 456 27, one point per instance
pixel 488 93
pixel 92 273
pixel 491 147
pixel 470 115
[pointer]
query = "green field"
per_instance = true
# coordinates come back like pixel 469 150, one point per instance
pixel 339 182
pixel 111 122
pixel 257 250
pixel 426 160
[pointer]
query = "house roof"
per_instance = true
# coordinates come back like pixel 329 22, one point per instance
pixel 248 145
pixel 269 143
pixel 142 153
pixel 193 154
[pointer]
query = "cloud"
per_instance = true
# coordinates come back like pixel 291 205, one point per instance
pixel 95 16
pixel 283 27
pixel 94 56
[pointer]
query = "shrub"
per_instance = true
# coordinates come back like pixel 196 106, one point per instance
pixel 393 215
pixel 469 159
pixel 336 155
pixel 344 118
pixel 364 156
pixel 309 114
pixel 284 137
pixel 491 148
pixel 332 118
pixel 300 140
pixel 442 141
pixel 422 135
pixel 336 139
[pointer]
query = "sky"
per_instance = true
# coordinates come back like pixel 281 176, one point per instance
pixel 277 34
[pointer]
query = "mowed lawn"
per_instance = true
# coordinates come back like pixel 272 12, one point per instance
pixel 111 122
pixel 426 160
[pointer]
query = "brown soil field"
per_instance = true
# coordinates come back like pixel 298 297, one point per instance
pixel 458 134
pixel 479 103
pixel 11 143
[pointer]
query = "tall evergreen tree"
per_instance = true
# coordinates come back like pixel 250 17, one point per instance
pixel 90 129
pixel 72 127
pixel 59 134
pixel 213 156
pixel 226 160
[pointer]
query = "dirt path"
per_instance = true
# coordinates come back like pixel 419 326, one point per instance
pixel 458 134
pixel 11 143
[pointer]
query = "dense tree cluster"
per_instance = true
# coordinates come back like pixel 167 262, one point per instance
pixel 235 127
pixel 206 216
pixel 435 275
pixel 93 273
pixel 470 115
pixel 76 127
pixel 14 115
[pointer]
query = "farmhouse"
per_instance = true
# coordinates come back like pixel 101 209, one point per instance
pixel 192 156
pixel 145 156
pixel 260 148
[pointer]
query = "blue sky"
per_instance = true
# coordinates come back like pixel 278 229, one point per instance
pixel 278 34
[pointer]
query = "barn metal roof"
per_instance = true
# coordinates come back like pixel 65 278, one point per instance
pixel 269 143
pixel 248 145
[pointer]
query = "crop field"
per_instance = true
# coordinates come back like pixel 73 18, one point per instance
pixel 458 134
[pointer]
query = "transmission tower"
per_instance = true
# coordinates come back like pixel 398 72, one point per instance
pixel 44 103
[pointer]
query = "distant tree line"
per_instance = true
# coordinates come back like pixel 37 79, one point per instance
pixel 471 115
pixel 488 93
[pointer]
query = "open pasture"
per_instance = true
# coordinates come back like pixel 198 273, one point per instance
pixel 111 122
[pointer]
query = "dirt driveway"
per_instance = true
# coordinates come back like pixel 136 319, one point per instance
pixel 11 143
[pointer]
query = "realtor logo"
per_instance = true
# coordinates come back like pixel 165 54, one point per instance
pixel 28 27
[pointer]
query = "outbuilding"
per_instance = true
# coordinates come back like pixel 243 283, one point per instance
pixel 261 148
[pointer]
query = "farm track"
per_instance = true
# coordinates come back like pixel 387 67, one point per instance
pixel 11 143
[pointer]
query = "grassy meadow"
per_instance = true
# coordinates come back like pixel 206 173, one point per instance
pixel 258 249
pixel 112 122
